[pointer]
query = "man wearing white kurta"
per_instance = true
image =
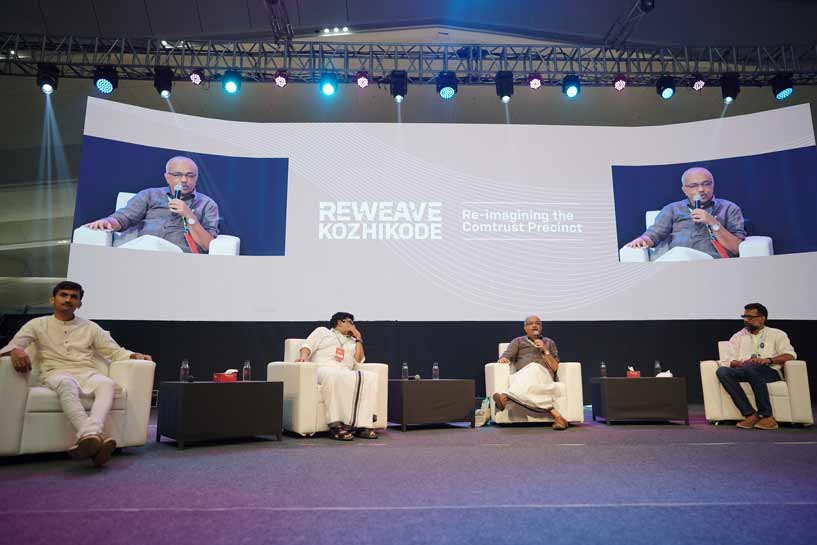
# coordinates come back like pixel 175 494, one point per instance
pixel 349 393
pixel 535 364
pixel 66 346
pixel 757 356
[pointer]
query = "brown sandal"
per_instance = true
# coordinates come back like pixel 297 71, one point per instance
pixel 340 434
pixel 366 433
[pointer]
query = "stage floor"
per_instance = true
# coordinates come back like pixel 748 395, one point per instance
pixel 627 483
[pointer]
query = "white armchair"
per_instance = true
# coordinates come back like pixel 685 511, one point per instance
pixel 790 397
pixel 31 418
pixel 304 411
pixel 751 247
pixel 222 245
pixel 571 400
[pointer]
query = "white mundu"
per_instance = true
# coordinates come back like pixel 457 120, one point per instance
pixel 66 354
pixel 533 388
pixel 349 393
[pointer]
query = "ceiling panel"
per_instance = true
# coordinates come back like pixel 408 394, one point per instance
pixel 174 18
pixel 23 17
pixel 117 18
pixel 74 17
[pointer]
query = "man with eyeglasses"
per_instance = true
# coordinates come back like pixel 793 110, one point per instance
pixel 189 221
pixel 757 355
pixel 349 393
pixel 697 227
pixel 535 364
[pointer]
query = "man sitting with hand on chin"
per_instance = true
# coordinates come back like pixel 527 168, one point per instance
pixel 535 364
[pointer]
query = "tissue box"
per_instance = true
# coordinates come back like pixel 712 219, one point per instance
pixel 224 377
pixel 633 374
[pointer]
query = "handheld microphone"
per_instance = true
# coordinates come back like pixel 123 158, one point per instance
pixel 697 199
pixel 177 191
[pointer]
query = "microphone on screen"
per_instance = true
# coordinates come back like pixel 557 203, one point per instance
pixel 177 191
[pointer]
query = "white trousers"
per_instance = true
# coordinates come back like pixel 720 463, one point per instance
pixel 533 388
pixel 68 389
pixel 349 396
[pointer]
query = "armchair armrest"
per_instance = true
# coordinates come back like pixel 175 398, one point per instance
pixel 497 378
pixel 756 246
pixel 92 237
pixel 711 387
pixel 382 406
pixel 225 245
pixel 796 377
pixel 300 392
pixel 633 255
pixel 570 374
pixel 13 397
pixel 136 377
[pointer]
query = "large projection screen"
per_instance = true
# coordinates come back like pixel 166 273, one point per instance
pixel 446 222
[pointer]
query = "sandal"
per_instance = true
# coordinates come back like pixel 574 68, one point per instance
pixel 340 434
pixel 366 433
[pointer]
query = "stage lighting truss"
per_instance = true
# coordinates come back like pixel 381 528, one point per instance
pixel 619 82
pixel 163 81
pixel 48 76
pixel 281 78
pixel 447 85
pixel 665 87
pixel 571 86
pixel 362 79
pixel 534 80
pixel 231 82
pixel 730 87
pixel 504 85
pixel 782 86
pixel 398 85
pixel 106 79
pixel 197 76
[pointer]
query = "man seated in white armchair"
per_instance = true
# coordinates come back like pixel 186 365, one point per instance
pixel 349 393
pixel 699 226
pixel 66 345
pixel 535 365
pixel 176 215
pixel 758 354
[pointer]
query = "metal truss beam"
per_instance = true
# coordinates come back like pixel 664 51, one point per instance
pixel 476 64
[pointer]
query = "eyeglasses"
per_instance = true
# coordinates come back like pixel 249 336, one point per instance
pixel 188 175
pixel 750 316
pixel 707 184
pixel 348 321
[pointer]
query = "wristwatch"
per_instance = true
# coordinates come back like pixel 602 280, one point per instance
pixel 716 227
pixel 191 221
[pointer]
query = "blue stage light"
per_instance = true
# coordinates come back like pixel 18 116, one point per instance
pixel 48 76
pixel 730 87
pixel 328 84
pixel 231 82
pixel 106 79
pixel 447 85
pixel 571 86
pixel 665 87
pixel 782 86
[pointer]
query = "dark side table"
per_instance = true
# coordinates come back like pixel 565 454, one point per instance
pixel 418 402
pixel 619 398
pixel 197 411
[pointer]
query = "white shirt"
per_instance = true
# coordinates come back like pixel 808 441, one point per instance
pixel 768 343
pixel 66 347
pixel 323 344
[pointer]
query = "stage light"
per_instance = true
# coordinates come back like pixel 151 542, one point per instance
pixel 398 85
pixel 571 86
pixel 326 31
pixel 447 85
pixel 281 78
pixel 730 87
pixel 782 86
pixel 362 79
pixel 328 84
pixel 163 80
pixel 106 79
pixel 665 87
pixel 698 82
pixel 48 77
pixel 197 76
pixel 504 85
pixel 619 82
pixel 231 82
pixel 345 29
pixel 534 80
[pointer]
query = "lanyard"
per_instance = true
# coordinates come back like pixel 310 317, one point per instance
pixel 758 346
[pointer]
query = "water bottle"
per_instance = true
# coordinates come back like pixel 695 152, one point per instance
pixel 184 371
pixel 404 371
pixel 435 371
pixel 246 371
pixel 603 369
pixel 657 367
